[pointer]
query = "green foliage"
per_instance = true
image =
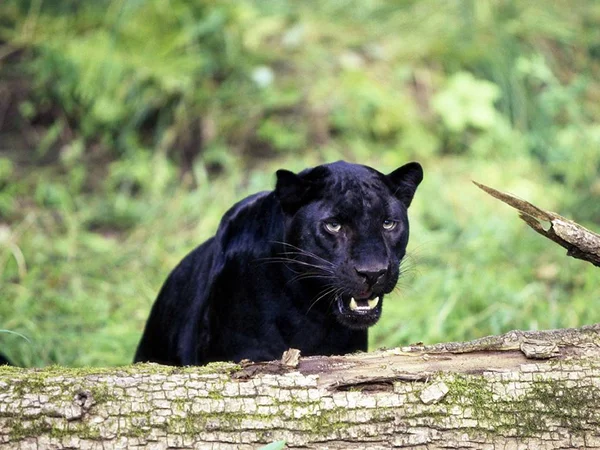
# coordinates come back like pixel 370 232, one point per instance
pixel 467 102
pixel 283 76
pixel 277 445
pixel 94 211
pixel 129 73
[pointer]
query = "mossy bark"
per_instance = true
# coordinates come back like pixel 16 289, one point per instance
pixel 519 390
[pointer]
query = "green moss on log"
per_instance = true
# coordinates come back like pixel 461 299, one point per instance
pixel 543 400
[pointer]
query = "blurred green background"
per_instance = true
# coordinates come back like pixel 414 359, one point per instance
pixel 128 127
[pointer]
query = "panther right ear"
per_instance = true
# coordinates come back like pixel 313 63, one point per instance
pixel 291 190
pixel 405 180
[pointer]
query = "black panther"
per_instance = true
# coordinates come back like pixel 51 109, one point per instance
pixel 304 266
pixel 4 361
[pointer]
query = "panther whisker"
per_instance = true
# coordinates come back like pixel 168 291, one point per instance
pixel 335 295
pixel 404 278
pixel 408 267
pixel 302 251
pixel 276 259
pixel 324 293
pixel 318 258
pixel 307 275
pixel 283 259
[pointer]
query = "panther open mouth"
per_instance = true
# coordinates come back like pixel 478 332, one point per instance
pixel 358 313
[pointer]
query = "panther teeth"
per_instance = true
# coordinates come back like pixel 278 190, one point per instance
pixel 371 304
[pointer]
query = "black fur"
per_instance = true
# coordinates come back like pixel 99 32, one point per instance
pixel 4 361
pixel 283 267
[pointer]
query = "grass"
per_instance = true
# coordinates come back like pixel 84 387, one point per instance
pixel 80 270
pixel 479 269
pixel 505 93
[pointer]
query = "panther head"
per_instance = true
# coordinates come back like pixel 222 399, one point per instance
pixel 346 233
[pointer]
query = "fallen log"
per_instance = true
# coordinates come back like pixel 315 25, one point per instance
pixel 517 390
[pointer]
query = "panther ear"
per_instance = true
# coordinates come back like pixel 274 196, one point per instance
pixel 405 180
pixel 291 190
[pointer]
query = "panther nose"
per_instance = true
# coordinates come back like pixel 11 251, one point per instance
pixel 371 275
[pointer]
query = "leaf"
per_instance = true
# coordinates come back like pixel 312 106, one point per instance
pixel 467 101
pixel 277 445
pixel 15 333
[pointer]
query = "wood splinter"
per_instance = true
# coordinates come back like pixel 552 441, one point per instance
pixel 580 242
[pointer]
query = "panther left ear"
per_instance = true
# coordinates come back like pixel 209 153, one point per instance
pixel 291 190
pixel 405 180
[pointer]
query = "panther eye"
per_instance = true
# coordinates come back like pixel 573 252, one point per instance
pixel 389 224
pixel 333 226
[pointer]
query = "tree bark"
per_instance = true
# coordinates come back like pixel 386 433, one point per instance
pixel 518 390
